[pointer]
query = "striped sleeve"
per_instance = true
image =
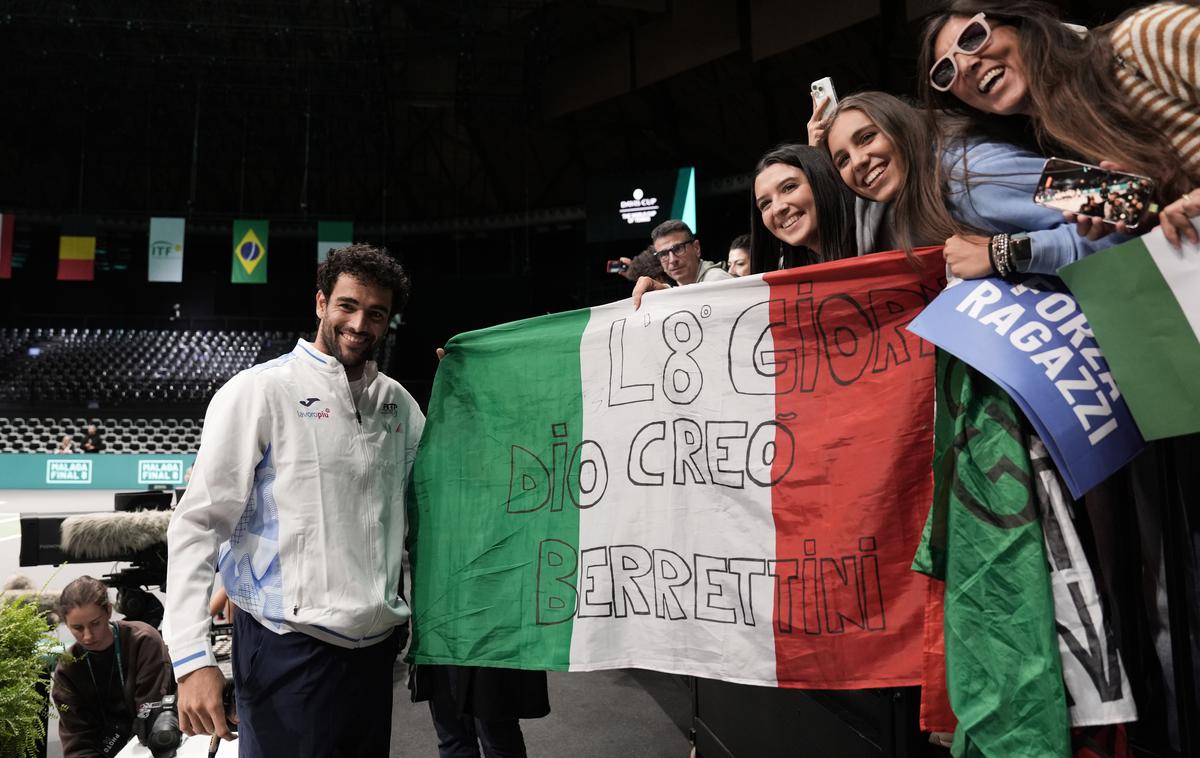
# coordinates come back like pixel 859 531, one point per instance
pixel 1160 45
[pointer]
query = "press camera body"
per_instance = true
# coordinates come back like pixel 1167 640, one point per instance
pixel 157 727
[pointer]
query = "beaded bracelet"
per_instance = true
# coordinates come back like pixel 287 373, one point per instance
pixel 1000 255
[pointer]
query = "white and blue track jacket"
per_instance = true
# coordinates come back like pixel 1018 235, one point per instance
pixel 297 498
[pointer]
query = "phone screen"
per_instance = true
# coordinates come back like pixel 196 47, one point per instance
pixel 1093 191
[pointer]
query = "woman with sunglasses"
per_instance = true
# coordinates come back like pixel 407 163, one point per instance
pixel 1124 94
pixel 801 213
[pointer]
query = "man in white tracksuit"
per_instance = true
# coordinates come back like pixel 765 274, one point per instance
pixel 297 498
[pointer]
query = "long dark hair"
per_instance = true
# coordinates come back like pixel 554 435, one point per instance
pixel 834 205
pixel 1079 111
pixel 919 210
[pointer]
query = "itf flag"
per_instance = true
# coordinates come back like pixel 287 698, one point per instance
pixel 77 249
pixel 250 251
pixel 166 250
pixel 1142 299
pixel 331 235
pixel 6 239
pixel 729 482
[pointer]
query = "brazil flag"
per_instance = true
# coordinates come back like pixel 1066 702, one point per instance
pixel 250 251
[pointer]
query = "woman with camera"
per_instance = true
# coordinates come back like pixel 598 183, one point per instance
pixel 1124 94
pixel 114 668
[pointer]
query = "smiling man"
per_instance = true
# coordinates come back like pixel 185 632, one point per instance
pixel 297 498
pixel 679 252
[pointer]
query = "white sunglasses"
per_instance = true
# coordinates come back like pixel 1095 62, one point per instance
pixel 971 40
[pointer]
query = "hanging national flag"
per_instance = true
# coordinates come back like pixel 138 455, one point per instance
pixel 331 235
pixel 1142 300
pixel 250 251
pixel 727 482
pixel 6 240
pixel 77 249
pixel 984 539
pixel 166 250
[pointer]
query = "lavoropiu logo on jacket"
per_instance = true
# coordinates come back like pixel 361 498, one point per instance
pixel 317 414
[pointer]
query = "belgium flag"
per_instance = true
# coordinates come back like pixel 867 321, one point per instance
pixel 77 249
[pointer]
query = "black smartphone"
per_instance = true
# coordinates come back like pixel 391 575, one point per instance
pixel 1114 196
pixel 616 267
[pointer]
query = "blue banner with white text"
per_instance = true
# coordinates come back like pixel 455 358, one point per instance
pixel 1034 341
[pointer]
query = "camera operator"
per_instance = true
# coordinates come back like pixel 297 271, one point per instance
pixel 115 668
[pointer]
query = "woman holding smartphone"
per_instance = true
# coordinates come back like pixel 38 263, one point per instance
pixel 1124 93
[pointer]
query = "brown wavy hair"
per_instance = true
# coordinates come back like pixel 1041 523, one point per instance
pixel 1078 108
pixel 919 210
pixel 83 591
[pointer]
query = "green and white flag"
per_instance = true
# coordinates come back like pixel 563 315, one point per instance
pixel 166 250
pixel 1142 300
pixel 250 251
pixel 331 235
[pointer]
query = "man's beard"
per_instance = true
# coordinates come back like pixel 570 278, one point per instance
pixel 330 338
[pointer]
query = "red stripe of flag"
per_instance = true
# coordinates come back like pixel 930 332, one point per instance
pixel 82 271
pixel 853 614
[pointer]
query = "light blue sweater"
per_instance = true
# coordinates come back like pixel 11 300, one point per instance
pixel 1002 179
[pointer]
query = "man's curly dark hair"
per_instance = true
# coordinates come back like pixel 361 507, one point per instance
pixel 368 264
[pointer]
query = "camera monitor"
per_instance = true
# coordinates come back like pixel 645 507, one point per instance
pixel 154 500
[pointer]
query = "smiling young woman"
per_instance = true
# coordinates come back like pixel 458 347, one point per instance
pixel 1086 94
pixel 800 211
pixel 885 153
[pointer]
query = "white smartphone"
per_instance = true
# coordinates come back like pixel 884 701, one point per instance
pixel 823 87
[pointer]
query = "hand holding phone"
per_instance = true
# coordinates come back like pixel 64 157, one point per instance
pixel 824 101
pixel 617 267
pixel 822 89
pixel 1116 197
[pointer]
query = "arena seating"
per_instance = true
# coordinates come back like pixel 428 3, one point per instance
pixel 172 436
pixel 126 368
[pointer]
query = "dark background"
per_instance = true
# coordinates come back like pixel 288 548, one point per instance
pixel 461 135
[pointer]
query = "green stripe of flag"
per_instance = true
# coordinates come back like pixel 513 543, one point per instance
pixel 332 235
pixel 983 537
pixel 1139 317
pixel 531 366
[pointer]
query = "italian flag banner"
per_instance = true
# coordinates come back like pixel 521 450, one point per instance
pixel 729 482
pixel 1142 300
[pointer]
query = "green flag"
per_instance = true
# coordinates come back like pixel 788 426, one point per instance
pixel 250 251
pixel 332 235
pixel 984 539
pixel 1142 299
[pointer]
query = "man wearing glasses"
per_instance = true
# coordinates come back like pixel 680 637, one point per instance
pixel 679 252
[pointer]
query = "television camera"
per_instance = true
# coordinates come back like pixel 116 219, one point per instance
pixel 134 532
